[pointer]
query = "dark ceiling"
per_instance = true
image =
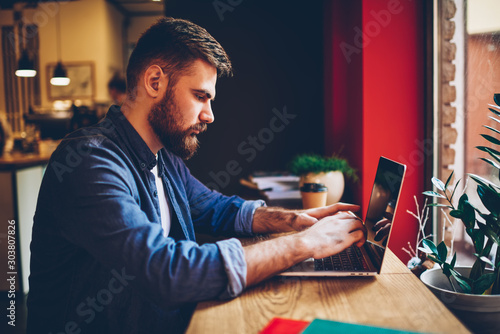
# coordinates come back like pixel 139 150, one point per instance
pixel 139 7
pixel 128 8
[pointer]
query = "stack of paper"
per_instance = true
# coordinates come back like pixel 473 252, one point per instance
pixel 278 186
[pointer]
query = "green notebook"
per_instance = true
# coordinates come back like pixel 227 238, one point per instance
pixel 328 326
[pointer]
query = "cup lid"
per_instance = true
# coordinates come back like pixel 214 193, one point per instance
pixel 313 188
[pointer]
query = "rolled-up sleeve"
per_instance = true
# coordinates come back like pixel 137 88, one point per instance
pixel 232 250
pixel 235 266
pixel 244 218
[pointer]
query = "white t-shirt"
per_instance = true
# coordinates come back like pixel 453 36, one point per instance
pixel 165 210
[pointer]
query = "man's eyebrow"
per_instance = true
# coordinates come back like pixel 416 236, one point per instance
pixel 206 93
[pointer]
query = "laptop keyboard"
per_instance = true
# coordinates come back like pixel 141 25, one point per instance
pixel 350 259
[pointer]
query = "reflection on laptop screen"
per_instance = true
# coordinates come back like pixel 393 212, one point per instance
pixel 383 201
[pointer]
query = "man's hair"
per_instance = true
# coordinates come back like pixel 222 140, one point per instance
pixel 174 44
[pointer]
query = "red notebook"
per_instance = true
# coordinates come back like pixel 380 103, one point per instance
pixel 284 326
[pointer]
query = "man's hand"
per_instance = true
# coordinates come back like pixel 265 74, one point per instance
pixel 309 217
pixel 325 237
pixel 273 220
pixel 333 234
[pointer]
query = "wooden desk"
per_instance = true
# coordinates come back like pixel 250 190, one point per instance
pixel 395 299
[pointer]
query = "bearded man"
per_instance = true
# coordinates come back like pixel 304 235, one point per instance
pixel 114 249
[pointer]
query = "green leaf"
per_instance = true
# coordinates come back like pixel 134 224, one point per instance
pixel 494 111
pixel 496 98
pixel 494 153
pixel 452 264
pixel 442 251
pixel 487 149
pixel 433 194
pixel 485 260
pixel 438 183
pixel 483 181
pixel 490 199
pixel 468 215
pixel 492 129
pixel 456 214
pixel 477 270
pixel 454 189
pixel 428 244
pixel 435 259
pixel 477 236
pixel 491 220
pixel 489 233
pixel 495 119
pixel 461 202
pixel 462 281
pixel 491 139
pixel 447 269
pixel 487 247
pixel 494 106
pixel 449 179
pixel 483 283
pixel 439 205
pixel 425 250
pixel 491 162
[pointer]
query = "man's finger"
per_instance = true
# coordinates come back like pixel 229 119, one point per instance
pixel 358 237
pixel 331 210
pixel 359 226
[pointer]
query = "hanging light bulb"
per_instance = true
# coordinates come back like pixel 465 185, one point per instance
pixel 60 76
pixel 25 66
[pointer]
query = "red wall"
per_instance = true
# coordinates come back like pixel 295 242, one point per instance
pixel 377 107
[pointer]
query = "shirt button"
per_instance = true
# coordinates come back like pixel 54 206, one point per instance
pixel 143 165
pixel 155 193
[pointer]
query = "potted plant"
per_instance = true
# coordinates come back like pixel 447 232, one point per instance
pixel 472 293
pixel 330 171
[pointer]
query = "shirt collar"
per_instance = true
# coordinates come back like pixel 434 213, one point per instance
pixel 138 147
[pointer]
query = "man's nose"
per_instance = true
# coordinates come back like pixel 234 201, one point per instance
pixel 207 116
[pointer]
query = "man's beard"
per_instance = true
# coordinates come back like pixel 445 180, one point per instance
pixel 166 121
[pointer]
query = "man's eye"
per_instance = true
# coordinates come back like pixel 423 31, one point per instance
pixel 200 97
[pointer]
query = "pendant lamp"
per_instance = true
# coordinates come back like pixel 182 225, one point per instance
pixel 60 76
pixel 25 66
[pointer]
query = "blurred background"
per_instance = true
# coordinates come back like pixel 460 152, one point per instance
pixel 409 80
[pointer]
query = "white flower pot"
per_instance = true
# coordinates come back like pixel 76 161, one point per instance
pixel 334 181
pixel 480 313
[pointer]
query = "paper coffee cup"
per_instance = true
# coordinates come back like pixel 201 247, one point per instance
pixel 313 195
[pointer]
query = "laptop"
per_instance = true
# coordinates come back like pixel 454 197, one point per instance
pixel 379 220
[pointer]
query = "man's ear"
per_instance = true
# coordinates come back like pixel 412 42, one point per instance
pixel 155 81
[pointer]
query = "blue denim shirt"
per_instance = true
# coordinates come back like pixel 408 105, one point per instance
pixel 99 260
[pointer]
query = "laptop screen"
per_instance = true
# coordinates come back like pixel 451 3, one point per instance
pixel 383 202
